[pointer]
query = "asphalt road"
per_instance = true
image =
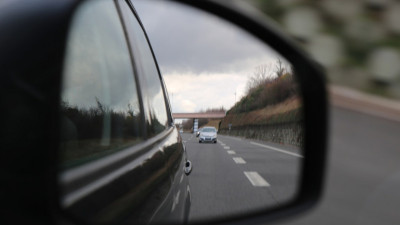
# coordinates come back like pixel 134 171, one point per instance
pixel 362 183
pixel 237 175
pixel 363 172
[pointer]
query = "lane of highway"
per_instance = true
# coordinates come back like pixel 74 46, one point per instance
pixel 277 163
pixel 363 172
pixel 236 175
pixel 362 179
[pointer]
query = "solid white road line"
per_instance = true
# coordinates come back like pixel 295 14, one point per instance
pixel 256 179
pixel 277 149
pixel 227 147
pixel 230 152
pixel 239 160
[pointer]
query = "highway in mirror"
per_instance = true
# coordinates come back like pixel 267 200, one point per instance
pixel 239 175
pixel 220 76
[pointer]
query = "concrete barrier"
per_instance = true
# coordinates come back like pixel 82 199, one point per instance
pixel 291 133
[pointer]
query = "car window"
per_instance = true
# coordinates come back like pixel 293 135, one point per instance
pixel 152 87
pixel 208 130
pixel 100 110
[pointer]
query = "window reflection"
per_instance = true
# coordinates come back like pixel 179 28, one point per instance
pixel 100 109
pixel 147 67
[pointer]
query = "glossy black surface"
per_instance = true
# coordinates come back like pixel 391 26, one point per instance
pixel 111 172
pixel 154 101
pixel 149 188
pixel 100 111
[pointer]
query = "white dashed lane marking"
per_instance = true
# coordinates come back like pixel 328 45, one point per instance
pixel 227 147
pixel 239 160
pixel 277 149
pixel 256 179
pixel 230 152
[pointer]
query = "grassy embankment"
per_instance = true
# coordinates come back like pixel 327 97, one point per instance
pixel 284 112
pixel 272 102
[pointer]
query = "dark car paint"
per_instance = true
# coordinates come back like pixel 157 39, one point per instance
pixel 153 188
pixel 141 184
pixel 144 191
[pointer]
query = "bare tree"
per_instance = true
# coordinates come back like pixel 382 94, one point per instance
pixel 262 74
pixel 279 68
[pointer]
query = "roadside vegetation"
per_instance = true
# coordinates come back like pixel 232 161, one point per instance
pixel 272 97
pixel 284 112
pixel 268 86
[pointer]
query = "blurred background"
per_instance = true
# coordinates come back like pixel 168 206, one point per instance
pixel 356 41
pixel 358 44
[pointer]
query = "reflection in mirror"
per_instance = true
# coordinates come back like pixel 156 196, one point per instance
pixel 219 76
pixel 99 103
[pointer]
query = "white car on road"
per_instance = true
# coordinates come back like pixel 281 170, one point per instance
pixel 208 134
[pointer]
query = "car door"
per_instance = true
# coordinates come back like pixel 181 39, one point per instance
pixel 122 160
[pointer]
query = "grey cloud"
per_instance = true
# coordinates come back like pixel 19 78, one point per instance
pixel 186 39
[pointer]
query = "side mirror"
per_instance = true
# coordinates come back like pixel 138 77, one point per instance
pixel 188 167
pixel 32 64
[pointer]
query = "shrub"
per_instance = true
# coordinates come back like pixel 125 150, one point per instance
pixel 270 92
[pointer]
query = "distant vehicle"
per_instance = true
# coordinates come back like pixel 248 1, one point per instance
pixel 208 134
pixel 198 132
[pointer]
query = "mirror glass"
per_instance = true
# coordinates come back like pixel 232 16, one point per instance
pixel 219 76
pixel 234 147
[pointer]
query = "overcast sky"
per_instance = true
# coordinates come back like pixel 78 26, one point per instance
pixel 203 59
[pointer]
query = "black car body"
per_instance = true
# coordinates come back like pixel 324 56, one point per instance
pixel 103 105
